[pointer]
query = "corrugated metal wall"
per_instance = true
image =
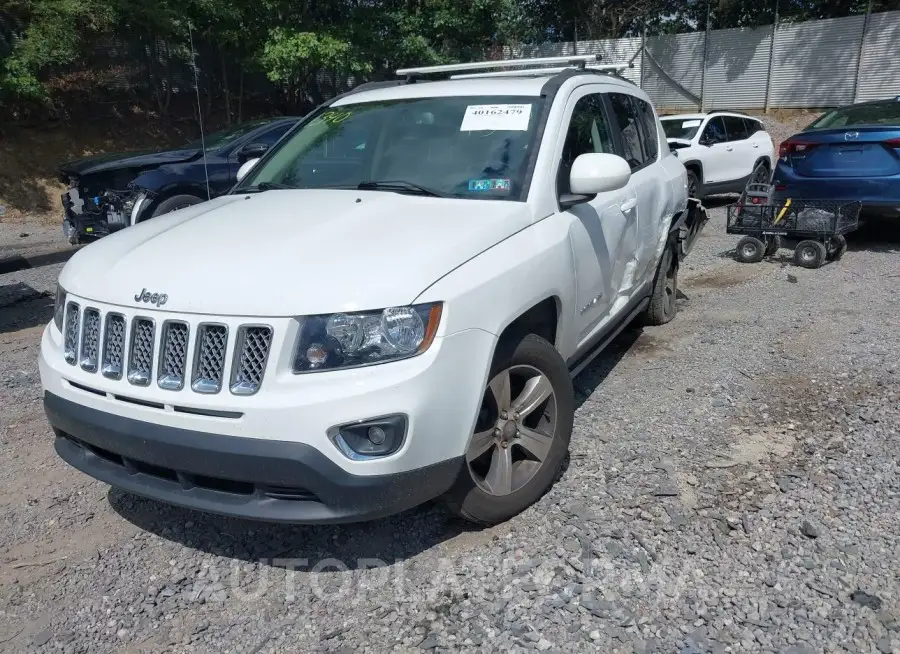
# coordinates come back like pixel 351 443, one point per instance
pixel 879 71
pixel 815 64
pixel 737 68
pixel 673 70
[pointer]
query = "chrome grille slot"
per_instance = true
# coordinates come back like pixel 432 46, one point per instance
pixel 140 352
pixel 90 340
pixel 251 354
pixel 70 342
pixel 209 358
pixel 173 358
pixel 113 346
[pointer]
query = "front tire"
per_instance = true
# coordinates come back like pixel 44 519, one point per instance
pixel 521 434
pixel 693 184
pixel 662 307
pixel 175 203
pixel 750 250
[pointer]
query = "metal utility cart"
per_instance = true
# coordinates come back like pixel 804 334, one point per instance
pixel 815 228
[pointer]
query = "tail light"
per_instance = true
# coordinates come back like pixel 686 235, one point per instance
pixel 793 146
pixel 892 143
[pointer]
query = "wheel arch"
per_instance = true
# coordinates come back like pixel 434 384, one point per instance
pixel 171 191
pixel 695 165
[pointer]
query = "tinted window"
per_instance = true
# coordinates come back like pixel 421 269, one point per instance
pixel 226 136
pixel 735 127
pixel 882 113
pixel 588 132
pixel 650 131
pixel 627 121
pixel 468 147
pixel 753 126
pixel 714 132
pixel 272 136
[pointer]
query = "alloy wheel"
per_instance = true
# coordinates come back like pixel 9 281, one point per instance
pixel 514 431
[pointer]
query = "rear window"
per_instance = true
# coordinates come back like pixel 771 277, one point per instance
pixel 887 113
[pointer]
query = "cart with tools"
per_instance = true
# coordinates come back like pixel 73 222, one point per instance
pixel 815 228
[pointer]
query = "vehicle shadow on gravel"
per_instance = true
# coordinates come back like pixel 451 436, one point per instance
pixel 22 307
pixel 589 379
pixel 387 541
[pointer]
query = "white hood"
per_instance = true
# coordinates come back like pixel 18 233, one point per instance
pixel 292 252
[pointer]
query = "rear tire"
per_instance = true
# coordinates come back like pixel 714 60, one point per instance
pixel 750 250
pixel 809 254
pixel 512 461
pixel 662 307
pixel 175 203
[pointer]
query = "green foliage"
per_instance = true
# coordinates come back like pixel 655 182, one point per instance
pixel 291 57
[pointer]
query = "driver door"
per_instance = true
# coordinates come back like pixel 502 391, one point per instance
pixel 718 160
pixel 602 231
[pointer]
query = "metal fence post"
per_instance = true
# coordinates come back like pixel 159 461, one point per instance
pixel 643 46
pixel 862 47
pixel 771 57
pixel 705 56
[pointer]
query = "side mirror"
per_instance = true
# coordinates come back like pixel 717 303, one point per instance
pixel 245 168
pixel 252 151
pixel 598 173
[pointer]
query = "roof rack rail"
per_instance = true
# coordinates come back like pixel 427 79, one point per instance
pixel 603 68
pixel 578 61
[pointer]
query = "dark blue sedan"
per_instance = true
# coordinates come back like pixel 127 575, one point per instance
pixel 849 154
pixel 112 191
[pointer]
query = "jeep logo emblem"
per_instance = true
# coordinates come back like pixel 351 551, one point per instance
pixel 157 299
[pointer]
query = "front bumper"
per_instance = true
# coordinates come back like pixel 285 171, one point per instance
pixel 260 479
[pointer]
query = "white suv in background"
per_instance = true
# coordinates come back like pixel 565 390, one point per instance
pixel 387 308
pixel 721 150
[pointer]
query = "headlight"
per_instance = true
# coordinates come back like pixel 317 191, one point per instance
pixel 350 340
pixel 60 307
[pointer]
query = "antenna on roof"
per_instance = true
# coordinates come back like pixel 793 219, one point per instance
pixel 199 109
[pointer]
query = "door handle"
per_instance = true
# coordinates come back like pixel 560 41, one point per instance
pixel 730 148
pixel 756 145
pixel 628 205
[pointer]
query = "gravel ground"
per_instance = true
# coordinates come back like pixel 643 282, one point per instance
pixel 733 487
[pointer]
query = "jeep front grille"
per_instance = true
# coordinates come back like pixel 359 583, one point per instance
pixel 90 340
pixel 250 362
pixel 119 347
pixel 140 352
pixel 209 359
pixel 113 346
pixel 173 358
pixel 70 339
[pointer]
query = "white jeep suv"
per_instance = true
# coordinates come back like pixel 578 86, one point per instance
pixel 387 308
pixel 721 150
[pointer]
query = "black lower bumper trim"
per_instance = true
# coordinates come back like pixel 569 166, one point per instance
pixel 258 479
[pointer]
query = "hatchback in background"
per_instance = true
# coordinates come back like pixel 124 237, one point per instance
pixel 722 150
pixel 849 154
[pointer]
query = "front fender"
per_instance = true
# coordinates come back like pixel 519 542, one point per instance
pixel 491 290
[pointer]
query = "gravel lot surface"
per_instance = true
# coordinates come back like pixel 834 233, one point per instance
pixel 733 487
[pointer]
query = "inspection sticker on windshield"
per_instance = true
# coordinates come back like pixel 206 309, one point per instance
pixel 502 185
pixel 490 117
pixel 690 123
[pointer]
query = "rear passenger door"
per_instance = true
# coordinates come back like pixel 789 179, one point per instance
pixel 638 137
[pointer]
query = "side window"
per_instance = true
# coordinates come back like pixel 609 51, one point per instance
pixel 752 126
pixel 714 132
pixel 272 136
pixel 588 132
pixel 648 123
pixel 735 128
pixel 627 121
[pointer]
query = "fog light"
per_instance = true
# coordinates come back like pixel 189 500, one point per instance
pixel 377 435
pixel 369 439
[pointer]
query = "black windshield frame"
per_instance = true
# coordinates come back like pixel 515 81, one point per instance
pixel 533 137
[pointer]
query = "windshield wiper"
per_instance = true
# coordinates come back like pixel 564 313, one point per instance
pixel 268 186
pixel 400 186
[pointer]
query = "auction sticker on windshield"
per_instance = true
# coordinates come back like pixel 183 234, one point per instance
pixel 491 117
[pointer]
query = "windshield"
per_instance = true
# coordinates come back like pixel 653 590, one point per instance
pixel 224 137
pixel 681 128
pixel 464 147
pixel 887 113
